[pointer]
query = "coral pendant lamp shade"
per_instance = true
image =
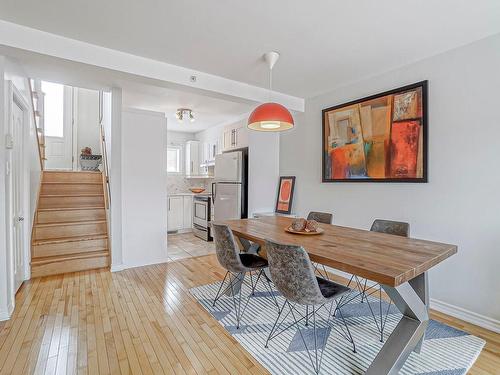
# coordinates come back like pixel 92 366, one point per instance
pixel 270 117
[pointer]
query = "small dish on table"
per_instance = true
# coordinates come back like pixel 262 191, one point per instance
pixel 197 190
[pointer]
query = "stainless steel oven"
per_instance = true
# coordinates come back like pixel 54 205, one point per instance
pixel 202 208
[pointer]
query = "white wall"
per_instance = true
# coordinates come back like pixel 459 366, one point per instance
pixel 144 176
pixel 461 202
pixel 87 120
pixel 263 171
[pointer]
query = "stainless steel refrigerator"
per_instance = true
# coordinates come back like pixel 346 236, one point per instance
pixel 229 191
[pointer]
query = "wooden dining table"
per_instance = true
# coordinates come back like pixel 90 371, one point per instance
pixel 398 264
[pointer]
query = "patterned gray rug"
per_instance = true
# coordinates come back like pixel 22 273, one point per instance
pixel 446 350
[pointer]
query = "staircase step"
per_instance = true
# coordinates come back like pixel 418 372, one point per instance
pixel 71 201
pixel 71 188
pixel 69 229
pixel 69 239
pixel 61 215
pixel 69 176
pixel 69 263
pixel 61 247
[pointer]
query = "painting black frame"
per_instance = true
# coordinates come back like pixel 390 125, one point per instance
pixel 291 195
pixel 425 129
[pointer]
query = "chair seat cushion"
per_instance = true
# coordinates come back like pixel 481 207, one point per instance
pixel 330 289
pixel 253 261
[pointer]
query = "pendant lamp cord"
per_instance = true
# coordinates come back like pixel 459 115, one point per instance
pixel 270 82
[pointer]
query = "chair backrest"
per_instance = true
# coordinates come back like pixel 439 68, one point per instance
pixel 293 274
pixel 397 228
pixel 320 217
pixel 226 248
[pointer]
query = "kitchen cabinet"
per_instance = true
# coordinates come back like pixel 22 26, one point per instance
pixel 234 137
pixel 192 158
pixel 180 213
pixel 175 217
pixel 187 212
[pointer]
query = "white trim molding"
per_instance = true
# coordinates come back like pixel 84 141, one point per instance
pixel 466 315
pixel 117 267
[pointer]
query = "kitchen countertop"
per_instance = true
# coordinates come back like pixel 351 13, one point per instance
pixel 188 193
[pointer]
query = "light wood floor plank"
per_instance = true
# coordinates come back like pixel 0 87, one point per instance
pixel 140 321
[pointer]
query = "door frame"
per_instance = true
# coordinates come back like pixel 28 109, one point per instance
pixel 14 96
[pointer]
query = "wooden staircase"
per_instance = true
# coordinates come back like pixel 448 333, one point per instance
pixel 70 232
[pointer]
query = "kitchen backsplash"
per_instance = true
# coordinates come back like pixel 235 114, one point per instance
pixel 181 184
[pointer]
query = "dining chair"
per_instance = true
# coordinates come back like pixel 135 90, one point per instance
pixel 294 277
pixel 237 266
pixel 324 218
pixel 396 228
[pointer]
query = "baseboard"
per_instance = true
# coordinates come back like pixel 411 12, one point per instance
pixel 122 267
pixel 466 315
pixel 448 309
pixel 6 314
pixel 117 267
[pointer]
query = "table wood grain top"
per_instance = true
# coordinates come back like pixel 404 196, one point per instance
pixel 384 258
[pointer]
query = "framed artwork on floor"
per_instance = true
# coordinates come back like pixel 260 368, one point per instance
pixel 285 194
pixel 380 138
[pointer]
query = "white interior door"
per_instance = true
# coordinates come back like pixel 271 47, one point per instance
pixel 58 124
pixel 17 187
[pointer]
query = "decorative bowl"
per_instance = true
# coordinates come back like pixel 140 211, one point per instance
pixel 197 190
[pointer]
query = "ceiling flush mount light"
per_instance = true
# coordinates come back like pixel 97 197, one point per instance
pixel 270 117
pixel 184 113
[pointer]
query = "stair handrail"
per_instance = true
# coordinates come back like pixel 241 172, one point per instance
pixel 39 132
pixel 104 153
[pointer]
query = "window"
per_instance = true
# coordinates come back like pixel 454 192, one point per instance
pixel 53 109
pixel 174 159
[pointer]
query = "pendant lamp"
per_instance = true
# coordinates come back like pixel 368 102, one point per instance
pixel 270 117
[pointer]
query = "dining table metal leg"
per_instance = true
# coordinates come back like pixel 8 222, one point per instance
pixel 412 299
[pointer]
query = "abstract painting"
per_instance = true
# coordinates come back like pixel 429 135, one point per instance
pixel 285 194
pixel 381 138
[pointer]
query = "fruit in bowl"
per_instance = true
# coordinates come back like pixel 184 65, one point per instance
pixel 197 190
pixel 311 226
pixel 299 225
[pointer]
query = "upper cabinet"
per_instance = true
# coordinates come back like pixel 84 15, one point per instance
pixel 192 158
pixel 200 157
pixel 235 136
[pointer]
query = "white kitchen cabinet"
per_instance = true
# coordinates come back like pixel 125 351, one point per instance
pixel 180 212
pixel 192 158
pixel 187 212
pixel 235 137
pixel 175 216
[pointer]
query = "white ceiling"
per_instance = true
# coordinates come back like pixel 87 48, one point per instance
pixel 208 111
pixel 323 43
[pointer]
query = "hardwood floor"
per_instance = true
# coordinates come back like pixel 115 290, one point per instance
pixel 138 321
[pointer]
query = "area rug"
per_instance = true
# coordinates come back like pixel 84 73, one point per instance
pixel 445 351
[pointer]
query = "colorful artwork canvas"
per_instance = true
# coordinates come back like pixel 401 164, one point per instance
pixel 381 138
pixel 285 194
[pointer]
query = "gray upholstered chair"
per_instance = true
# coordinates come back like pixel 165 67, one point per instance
pixel 324 218
pixel 293 276
pixel 321 217
pixel 237 266
pixel 396 228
